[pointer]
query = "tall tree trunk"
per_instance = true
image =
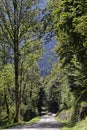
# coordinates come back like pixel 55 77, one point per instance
pixel 20 86
pixel 16 60
pixel 16 67
pixel 6 103
pixel 40 101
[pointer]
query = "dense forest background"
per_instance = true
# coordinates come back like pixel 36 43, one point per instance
pixel 24 91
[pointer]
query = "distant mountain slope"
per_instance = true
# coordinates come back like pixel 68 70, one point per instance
pixel 49 57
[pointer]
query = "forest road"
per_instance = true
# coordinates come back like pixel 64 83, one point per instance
pixel 45 123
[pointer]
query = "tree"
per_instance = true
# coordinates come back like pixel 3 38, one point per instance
pixel 17 20
pixel 69 19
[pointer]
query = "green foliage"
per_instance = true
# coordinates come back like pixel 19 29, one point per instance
pixel 6 76
pixel 20 50
pixel 79 126
pixel 70 21
pixel 34 120
pixel 58 88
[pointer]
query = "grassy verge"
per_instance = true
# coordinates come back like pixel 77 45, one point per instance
pixel 82 125
pixel 34 120
pixel 64 117
pixel 67 125
pixel 13 124
pixel 64 123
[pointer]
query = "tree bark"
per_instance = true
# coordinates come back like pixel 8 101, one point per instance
pixel 7 106
pixel 16 60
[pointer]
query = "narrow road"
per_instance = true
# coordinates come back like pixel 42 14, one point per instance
pixel 45 123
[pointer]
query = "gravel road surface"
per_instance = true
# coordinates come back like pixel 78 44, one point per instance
pixel 45 123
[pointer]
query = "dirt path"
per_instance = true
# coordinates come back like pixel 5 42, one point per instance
pixel 45 123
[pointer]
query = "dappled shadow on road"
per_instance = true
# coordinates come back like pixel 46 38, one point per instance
pixel 38 125
pixel 45 125
pixel 45 122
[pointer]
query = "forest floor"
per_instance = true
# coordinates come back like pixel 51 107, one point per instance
pixel 45 123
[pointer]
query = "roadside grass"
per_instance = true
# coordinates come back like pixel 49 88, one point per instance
pixel 64 123
pixel 13 124
pixel 34 120
pixel 82 125
pixel 64 119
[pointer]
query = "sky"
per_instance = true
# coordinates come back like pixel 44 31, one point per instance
pixel 42 4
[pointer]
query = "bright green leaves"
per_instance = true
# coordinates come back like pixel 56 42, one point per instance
pixel 80 25
pixel 7 77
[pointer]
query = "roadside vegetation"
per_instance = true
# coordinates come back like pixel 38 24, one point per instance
pixel 81 125
pixel 32 121
pixel 64 118
pixel 67 82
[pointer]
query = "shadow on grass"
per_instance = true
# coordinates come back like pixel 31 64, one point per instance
pixel 68 124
